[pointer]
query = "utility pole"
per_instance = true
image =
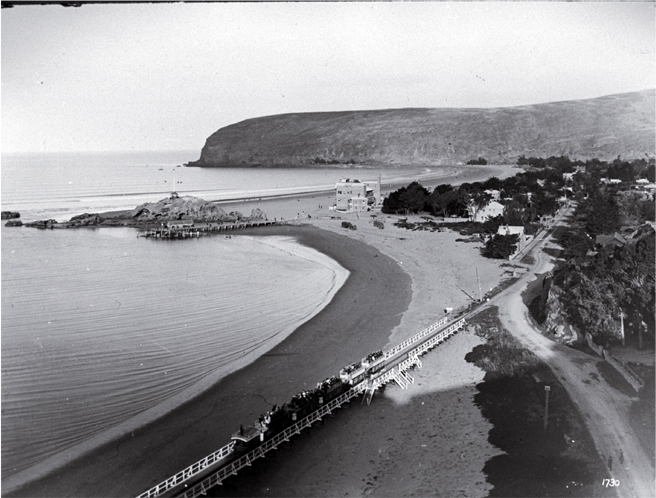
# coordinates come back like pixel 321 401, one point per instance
pixel 622 327
pixel 480 296
pixel 546 406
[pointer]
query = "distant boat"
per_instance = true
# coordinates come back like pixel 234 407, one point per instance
pixel 161 169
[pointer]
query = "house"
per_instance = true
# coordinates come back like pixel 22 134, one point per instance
pixel 615 240
pixel 347 189
pixel 357 204
pixel 348 194
pixel 642 181
pixel 490 210
pixel 611 181
pixel 568 176
pixel 494 194
pixel 515 230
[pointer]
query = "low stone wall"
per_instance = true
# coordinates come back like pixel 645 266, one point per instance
pixel 597 349
pixel 636 383
pixel 631 377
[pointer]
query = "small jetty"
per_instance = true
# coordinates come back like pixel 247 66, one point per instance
pixel 187 229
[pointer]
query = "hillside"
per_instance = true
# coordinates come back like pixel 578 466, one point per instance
pixel 603 127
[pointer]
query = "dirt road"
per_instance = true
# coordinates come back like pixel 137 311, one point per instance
pixel 604 409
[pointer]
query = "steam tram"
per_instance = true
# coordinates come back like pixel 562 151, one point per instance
pixel 302 404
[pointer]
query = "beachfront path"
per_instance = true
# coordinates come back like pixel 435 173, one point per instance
pixel 604 409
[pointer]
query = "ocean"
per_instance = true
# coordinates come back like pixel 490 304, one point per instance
pixel 103 331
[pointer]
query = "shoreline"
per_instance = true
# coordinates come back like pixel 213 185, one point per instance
pixel 64 457
pixel 401 298
pixel 191 431
pixel 453 174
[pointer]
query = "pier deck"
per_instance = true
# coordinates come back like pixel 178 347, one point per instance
pixel 215 468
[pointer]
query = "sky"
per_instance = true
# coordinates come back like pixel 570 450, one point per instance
pixel 132 77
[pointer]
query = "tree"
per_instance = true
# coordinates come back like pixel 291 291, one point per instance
pixel 411 198
pixel 513 214
pixel 492 183
pixel 576 243
pixel 599 213
pixel 650 173
pixel 501 246
pixel 414 198
pixel 443 203
pixel 492 224
pixel 544 204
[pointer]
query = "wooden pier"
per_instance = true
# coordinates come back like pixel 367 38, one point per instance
pixel 210 471
pixel 186 231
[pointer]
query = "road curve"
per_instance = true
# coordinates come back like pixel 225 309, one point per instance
pixel 605 410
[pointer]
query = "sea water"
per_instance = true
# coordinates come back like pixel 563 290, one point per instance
pixel 102 330
pixel 59 186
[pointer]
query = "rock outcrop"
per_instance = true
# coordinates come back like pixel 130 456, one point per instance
pixel 8 215
pixel 601 128
pixel 45 224
pixel 555 318
pixel 182 208
pixel 173 208
pixel 14 223
pixel 85 220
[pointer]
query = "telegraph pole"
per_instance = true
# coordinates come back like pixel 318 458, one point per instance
pixel 480 296
pixel 546 406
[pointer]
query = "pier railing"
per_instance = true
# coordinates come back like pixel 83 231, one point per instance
pixel 189 472
pixel 217 478
pixel 415 338
pixel 398 373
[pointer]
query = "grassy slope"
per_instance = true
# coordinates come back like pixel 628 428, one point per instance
pixel 603 127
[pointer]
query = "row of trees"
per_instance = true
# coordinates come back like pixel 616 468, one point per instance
pixel 524 199
pixel 616 281
pixel 597 285
pixel 627 171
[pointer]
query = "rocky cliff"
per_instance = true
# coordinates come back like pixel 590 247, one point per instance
pixel 603 127
pixel 552 314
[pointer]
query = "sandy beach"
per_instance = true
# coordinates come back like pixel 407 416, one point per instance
pixel 428 440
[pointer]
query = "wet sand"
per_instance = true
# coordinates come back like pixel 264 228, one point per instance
pixel 357 321
pixel 400 282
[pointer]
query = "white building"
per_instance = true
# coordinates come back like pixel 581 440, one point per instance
pixel 515 230
pixel 495 194
pixel 482 214
pixel 354 195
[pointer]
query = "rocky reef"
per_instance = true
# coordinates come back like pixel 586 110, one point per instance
pixel 174 208
pixel 8 215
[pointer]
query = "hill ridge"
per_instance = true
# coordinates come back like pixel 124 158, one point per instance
pixel 603 127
